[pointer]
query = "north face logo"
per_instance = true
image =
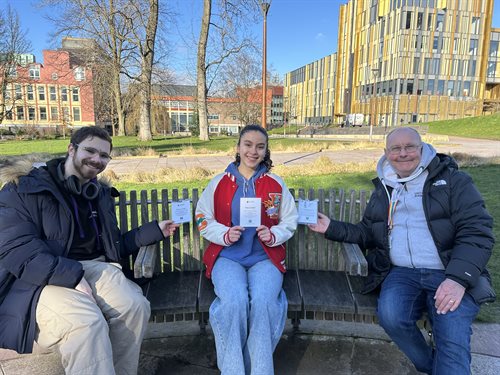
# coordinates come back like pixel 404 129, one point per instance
pixel 439 183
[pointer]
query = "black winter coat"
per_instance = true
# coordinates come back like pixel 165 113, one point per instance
pixel 36 232
pixel 457 220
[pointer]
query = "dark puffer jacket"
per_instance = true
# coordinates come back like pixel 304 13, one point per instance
pixel 457 219
pixel 36 232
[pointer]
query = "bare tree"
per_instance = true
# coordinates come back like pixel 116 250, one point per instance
pixel 126 32
pixel 229 39
pixel 242 78
pixel 147 56
pixel 13 42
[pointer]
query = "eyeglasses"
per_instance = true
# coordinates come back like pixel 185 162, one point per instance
pixel 409 149
pixel 93 151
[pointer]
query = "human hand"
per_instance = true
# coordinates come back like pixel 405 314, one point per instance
pixel 448 296
pixel 84 287
pixel 167 227
pixel 234 233
pixel 264 234
pixel 322 225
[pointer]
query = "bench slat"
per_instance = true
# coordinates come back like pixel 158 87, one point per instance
pixel 355 262
pixel 326 291
pixel 174 292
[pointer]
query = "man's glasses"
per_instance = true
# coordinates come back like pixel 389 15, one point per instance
pixel 93 151
pixel 409 149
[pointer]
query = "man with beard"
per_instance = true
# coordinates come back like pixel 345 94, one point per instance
pixel 61 284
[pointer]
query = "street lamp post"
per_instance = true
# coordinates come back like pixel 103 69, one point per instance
pixel 264 5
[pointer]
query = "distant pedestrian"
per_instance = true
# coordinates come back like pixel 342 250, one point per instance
pixel 245 262
pixel 429 238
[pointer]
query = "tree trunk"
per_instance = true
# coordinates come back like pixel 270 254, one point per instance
pixel 201 72
pixel 147 69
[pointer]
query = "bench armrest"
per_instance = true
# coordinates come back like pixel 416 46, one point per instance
pixel 355 262
pixel 145 263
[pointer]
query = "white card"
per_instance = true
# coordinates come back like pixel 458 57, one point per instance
pixel 181 211
pixel 250 210
pixel 308 211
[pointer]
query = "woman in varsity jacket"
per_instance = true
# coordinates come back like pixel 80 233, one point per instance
pixel 246 255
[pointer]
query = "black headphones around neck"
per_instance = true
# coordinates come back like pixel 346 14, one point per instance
pixel 89 190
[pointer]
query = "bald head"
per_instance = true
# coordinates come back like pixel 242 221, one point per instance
pixel 405 131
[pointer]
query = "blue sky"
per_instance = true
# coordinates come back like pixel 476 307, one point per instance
pixel 289 46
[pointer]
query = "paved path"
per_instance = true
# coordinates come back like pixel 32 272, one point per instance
pixel 477 147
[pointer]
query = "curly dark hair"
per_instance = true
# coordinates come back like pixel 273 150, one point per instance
pixel 90 132
pixel 268 163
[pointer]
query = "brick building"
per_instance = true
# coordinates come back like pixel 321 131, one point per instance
pixel 55 93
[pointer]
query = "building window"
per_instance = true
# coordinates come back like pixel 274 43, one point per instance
pixel 409 87
pixel 492 67
pixel 31 113
pixel 29 92
pixel 435 44
pixel 41 93
pixel 475 25
pixel 43 113
pixel 8 114
pixel 408 20
pixel 34 72
pixel 440 90
pixel 472 68
pixel 466 88
pixel 494 48
pixel 20 113
pixel 450 88
pixel 233 118
pixel 430 87
pixel 54 113
pixel 8 94
pixel 79 73
pixel 439 21
pixel 76 114
pixel 76 95
pixel 55 76
pixel 429 22
pixel 12 71
pixel 420 17
pixel 473 47
pixel 52 93
pixel 19 92
pixel 64 94
pixel 213 117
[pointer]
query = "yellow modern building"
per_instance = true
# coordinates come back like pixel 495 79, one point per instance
pixel 401 62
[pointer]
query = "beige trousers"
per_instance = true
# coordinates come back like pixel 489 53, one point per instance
pixel 95 339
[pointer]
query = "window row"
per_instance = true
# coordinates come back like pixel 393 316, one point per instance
pixel 29 92
pixel 34 73
pixel 420 87
pixel 21 113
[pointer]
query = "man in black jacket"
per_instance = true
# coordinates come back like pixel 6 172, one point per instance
pixel 429 238
pixel 61 284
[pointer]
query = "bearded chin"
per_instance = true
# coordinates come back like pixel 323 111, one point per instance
pixel 85 173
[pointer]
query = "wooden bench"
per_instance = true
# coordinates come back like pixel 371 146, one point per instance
pixel 323 281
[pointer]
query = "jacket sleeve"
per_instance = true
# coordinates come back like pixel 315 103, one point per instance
pixel 144 235
pixel 208 226
pixel 23 251
pixel 473 231
pixel 288 217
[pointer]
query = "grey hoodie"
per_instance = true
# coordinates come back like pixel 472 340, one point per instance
pixel 411 243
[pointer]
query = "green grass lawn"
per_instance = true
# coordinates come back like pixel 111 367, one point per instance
pixel 486 127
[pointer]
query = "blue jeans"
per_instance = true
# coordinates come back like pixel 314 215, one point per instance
pixel 406 293
pixel 248 316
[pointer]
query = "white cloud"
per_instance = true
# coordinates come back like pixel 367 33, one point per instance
pixel 320 35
